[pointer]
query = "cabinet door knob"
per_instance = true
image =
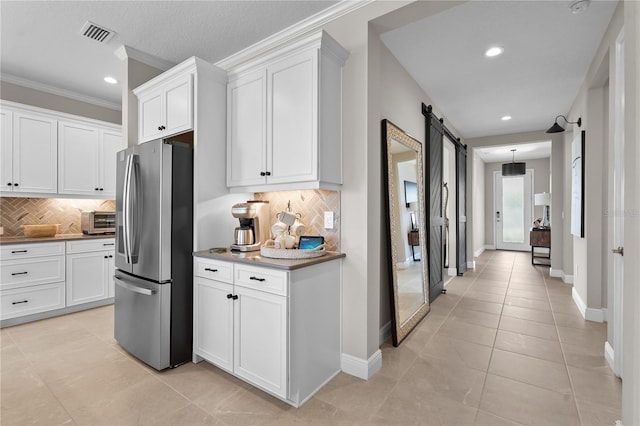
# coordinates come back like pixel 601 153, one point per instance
pixel 9 184
pixel 268 173
pixel 229 296
pixel 96 189
pixel 234 297
pixel 263 174
pixel 15 184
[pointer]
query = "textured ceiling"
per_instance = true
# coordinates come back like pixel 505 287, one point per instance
pixel 547 51
pixel 40 40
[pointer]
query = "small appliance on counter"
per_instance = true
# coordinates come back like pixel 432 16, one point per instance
pixel 98 222
pixel 254 225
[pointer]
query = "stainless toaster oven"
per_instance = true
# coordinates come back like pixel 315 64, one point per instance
pixel 98 222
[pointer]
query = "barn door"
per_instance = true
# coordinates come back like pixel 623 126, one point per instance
pixel 434 133
pixel 461 203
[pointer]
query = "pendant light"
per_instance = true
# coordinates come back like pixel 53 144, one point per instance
pixel 513 168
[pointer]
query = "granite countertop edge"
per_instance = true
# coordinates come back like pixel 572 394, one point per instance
pixel 255 259
pixel 59 237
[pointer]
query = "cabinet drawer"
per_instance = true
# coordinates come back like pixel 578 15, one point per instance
pixel 263 279
pixel 22 251
pixel 213 269
pixel 20 273
pixel 31 300
pixel 83 246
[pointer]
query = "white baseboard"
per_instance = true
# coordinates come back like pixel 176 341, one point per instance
pixel 385 332
pixel 590 314
pixel 489 246
pixel 361 368
pixel 559 273
pixel 471 264
pixel 478 252
pixel 452 272
pixel 609 355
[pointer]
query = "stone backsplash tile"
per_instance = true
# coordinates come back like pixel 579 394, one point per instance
pixel 35 211
pixel 311 204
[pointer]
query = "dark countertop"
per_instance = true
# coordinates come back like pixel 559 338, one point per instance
pixel 254 258
pixel 58 237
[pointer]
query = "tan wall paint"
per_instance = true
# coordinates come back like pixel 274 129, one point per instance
pixel 37 98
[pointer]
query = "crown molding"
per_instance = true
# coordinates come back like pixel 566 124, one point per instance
pixel 8 78
pixel 289 34
pixel 127 52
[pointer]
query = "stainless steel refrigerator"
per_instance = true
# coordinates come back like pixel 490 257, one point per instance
pixel 154 243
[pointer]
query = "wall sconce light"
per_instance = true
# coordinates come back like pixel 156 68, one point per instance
pixel 556 128
pixel 543 199
pixel 513 168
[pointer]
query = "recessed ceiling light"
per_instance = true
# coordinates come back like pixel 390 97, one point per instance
pixel 494 51
pixel 579 6
pixel 506 118
pixel 110 80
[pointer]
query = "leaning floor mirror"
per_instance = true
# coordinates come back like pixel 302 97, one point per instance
pixel 406 231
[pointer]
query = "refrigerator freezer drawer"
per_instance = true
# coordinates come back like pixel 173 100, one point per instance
pixel 143 319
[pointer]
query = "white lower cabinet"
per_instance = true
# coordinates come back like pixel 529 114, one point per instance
pixel 89 271
pixel 276 329
pixel 32 279
pixel 36 278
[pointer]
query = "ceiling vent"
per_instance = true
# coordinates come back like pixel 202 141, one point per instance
pixel 96 32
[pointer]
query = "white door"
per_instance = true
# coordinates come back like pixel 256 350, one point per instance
pixel 150 117
pixel 246 130
pixel 86 277
pixel 213 326
pixel 260 330
pixel 35 153
pixel 111 143
pixel 78 159
pixel 616 259
pixel 513 210
pixel 6 150
pixel 178 106
pixel 292 133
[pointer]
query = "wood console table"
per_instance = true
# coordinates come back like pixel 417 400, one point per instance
pixel 414 240
pixel 540 237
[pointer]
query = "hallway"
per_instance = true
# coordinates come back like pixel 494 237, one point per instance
pixel 505 346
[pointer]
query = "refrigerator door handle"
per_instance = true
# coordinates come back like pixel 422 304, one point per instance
pixel 134 288
pixel 130 208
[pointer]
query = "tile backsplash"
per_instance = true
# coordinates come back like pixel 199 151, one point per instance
pixel 35 211
pixel 311 204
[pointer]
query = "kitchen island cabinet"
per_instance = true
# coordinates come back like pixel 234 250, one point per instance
pixel 276 328
pixel 284 118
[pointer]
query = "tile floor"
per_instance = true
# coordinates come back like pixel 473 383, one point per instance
pixel 504 346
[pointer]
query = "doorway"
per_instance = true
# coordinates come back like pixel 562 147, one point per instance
pixel 513 207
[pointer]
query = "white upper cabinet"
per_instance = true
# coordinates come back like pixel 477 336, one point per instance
pixel 284 118
pixel 46 152
pixel 29 152
pixel 165 109
pixel 87 163
pixel 247 144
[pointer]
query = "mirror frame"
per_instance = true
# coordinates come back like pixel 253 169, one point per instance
pixel 390 132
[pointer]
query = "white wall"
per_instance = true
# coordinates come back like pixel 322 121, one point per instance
pixel 541 183
pixel 590 253
pixel 478 197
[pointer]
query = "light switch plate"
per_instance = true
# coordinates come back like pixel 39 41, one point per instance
pixel 328 220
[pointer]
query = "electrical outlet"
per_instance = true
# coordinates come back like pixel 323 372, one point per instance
pixel 328 220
